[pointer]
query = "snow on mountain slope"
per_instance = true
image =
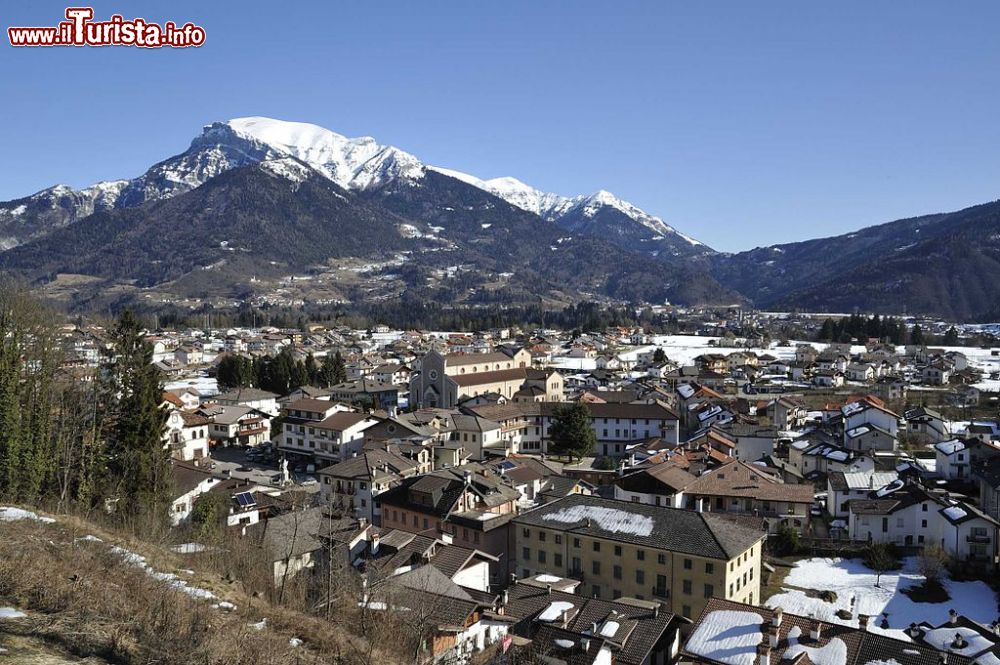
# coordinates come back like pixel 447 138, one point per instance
pixel 352 163
pixel 359 163
pixel 553 207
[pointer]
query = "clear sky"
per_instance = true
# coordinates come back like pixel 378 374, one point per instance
pixel 740 123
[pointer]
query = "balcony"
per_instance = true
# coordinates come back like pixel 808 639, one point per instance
pixel 661 592
pixel 977 538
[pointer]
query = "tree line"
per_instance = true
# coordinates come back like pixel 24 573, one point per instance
pixel 887 328
pixel 75 436
pixel 280 374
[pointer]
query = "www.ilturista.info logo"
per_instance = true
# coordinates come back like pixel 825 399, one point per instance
pixel 79 29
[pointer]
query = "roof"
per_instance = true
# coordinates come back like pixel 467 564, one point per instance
pixel 496 376
pixel 737 478
pixel 665 477
pixel 341 420
pixel 310 404
pixel 658 527
pixel 187 476
pixel 456 359
pixel 728 632
pixel 245 395
pixel 290 534
pixel 630 627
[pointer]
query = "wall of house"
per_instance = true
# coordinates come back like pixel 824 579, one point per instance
pixel 611 569
pixel 474 576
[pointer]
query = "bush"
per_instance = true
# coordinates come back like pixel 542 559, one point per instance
pixel 785 542
pixel 933 562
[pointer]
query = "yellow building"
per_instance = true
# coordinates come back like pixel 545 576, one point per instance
pixel 681 558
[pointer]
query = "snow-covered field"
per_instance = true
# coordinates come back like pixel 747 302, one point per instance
pixel 854 585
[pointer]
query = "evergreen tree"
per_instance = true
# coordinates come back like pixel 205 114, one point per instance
pixel 826 332
pixel 138 472
pixel 312 369
pixel 659 355
pixel 571 430
pixel 951 337
pixel 916 335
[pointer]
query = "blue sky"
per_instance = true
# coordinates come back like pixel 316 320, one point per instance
pixel 740 123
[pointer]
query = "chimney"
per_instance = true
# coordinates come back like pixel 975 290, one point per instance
pixel 699 505
pixel 376 539
pixel 504 598
pixel 763 653
pixel 913 631
pixel 952 617
pixel 959 642
pixel 772 635
pixel 548 589
pixel 863 621
pixel 513 578
pixel 593 628
pixel 776 617
pixel 815 628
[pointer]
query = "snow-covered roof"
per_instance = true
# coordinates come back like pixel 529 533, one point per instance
pixel 860 480
pixel 950 447
pixel 727 636
pixel 955 513
pixel 609 519
pixel 943 639
pixel 833 652
pixel 890 488
pixel 555 610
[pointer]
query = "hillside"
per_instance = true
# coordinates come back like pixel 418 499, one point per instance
pixel 941 264
pixel 248 230
pixel 75 589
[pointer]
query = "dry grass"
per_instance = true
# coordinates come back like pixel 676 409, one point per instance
pixel 85 599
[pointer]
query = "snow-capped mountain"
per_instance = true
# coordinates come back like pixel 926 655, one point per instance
pixel 362 165
pixel 33 216
pixel 577 214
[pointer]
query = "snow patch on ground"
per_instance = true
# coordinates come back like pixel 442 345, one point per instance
pixel 8 514
pixel 854 585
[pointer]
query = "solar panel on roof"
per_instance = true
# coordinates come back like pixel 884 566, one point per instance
pixel 245 499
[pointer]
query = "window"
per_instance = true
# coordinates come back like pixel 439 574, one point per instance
pixel 597 546
pixel 557 559
pixel 686 587
pixel 595 591
pixel 595 568
pixel 617 572
pixel 640 555
pixel 687 564
pixel 525 553
pixel 541 556
pixel 686 610
pixel 576 542
pixel 640 577
pixel 541 536
pixel 709 591
pixel 709 568
pixel 526 533
pixel 558 539
pixel 661 559
pixel 618 550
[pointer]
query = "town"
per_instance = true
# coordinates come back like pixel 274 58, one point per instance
pixel 607 496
